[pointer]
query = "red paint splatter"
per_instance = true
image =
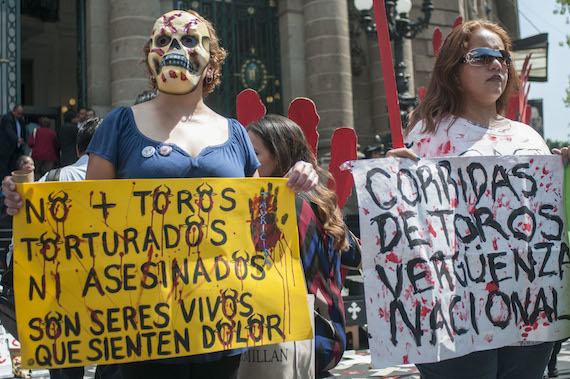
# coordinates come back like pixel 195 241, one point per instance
pixel 163 77
pixel 405 360
pixel 183 77
pixel 157 51
pixel 432 231
pixel 366 211
pixel 544 171
pixel 491 287
pixel 172 74
pixel 495 245
pixel 446 148
pixel 393 258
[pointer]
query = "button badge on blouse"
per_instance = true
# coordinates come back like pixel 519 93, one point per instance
pixel 165 150
pixel 148 151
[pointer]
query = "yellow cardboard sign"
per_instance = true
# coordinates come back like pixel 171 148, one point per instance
pixel 132 270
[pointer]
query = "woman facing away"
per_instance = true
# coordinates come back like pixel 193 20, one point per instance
pixel 462 114
pixel 176 135
pixel 324 241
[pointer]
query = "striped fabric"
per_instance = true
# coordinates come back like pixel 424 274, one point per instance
pixel 322 276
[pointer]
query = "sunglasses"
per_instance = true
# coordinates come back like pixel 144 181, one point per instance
pixel 483 57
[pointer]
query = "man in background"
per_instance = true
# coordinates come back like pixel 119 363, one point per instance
pixel 68 138
pixel 90 113
pixel 77 170
pixel 12 139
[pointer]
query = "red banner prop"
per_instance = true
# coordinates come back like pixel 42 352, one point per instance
pixel 389 75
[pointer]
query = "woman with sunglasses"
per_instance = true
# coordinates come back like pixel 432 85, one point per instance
pixel 462 114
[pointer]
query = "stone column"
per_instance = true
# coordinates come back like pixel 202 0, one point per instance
pixel 380 121
pixel 292 38
pixel 327 53
pixel 98 68
pixel 130 24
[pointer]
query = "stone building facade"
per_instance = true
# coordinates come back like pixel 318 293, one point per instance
pixel 325 55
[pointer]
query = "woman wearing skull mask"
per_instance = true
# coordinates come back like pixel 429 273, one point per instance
pixel 176 135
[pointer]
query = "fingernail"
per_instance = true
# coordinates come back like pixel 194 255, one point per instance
pixel 418 158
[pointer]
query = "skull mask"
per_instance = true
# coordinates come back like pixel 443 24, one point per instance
pixel 179 53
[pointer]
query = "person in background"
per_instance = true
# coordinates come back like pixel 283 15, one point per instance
pixel 81 117
pixel 89 114
pixel 77 170
pixel 25 162
pixel 30 127
pixel 324 241
pixel 12 139
pixel 45 147
pixel 68 138
pixel 462 114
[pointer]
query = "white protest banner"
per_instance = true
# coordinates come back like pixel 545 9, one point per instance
pixel 462 254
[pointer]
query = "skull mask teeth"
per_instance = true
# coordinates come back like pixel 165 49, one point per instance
pixel 180 52
pixel 178 61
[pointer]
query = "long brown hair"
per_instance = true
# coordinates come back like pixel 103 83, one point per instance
pixel 444 95
pixel 217 56
pixel 286 141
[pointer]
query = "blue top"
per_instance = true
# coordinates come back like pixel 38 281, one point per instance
pixel 135 156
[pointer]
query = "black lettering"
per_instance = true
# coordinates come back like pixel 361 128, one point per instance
pixel 489 221
pixel 516 232
pixel 376 198
pixel 231 200
pixel 41 217
pixel 221 232
pixel 503 182
pixel 501 323
pixel 381 222
pixel 533 188
pixel 425 181
pixel 142 195
pixel 413 277
pixel 416 187
pixel 408 230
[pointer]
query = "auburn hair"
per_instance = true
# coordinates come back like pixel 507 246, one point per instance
pixel 286 142
pixel 217 56
pixel 444 94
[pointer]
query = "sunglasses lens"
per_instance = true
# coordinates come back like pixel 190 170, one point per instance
pixel 484 57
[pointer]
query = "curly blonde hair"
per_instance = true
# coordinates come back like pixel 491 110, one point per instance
pixel 217 56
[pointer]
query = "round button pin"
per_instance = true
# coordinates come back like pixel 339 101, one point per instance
pixel 148 151
pixel 165 150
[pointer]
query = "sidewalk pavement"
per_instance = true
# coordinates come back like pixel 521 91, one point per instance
pixel 356 365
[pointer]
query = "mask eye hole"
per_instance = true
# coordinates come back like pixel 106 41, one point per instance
pixel 189 41
pixel 162 41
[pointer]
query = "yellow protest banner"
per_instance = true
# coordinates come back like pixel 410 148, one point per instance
pixel 132 270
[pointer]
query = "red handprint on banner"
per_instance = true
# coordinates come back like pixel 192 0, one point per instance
pixel 263 224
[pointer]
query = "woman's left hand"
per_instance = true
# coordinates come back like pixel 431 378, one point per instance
pixel 302 177
pixel 564 152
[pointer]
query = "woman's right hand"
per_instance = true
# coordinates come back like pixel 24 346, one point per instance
pixel 402 152
pixel 13 199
